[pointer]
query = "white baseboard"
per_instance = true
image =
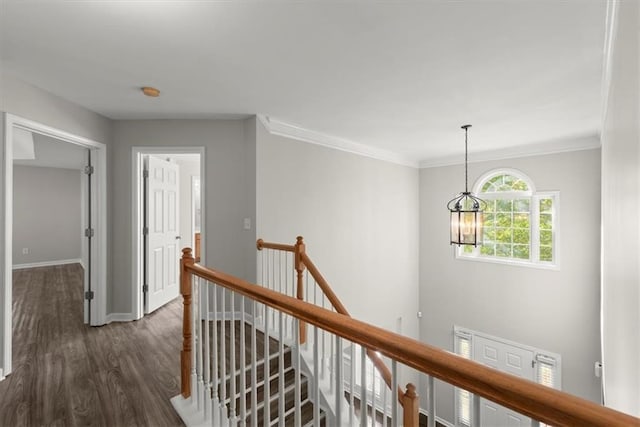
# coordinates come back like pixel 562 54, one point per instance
pixel 47 263
pixel 120 317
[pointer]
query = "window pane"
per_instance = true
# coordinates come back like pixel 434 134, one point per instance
pixel 503 220
pixel 546 205
pixel 546 237
pixel 504 235
pixel 520 185
pixel 468 249
pixel 488 249
pixel 521 251
pixel 521 235
pixel 489 218
pixel 503 250
pixel 521 220
pixel 504 205
pixel 521 205
pixel 546 221
pixel 489 234
pixel 546 253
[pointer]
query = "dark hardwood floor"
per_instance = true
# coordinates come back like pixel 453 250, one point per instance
pixel 68 374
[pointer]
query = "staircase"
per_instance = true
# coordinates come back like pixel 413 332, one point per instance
pixel 275 377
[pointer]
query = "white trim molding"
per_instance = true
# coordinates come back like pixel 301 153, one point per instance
pixel 590 142
pixel 99 222
pixel 611 29
pixel 277 127
pixel 47 263
pixel 120 317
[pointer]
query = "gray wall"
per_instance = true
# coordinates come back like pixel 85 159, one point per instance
pixel 508 301
pixel 621 218
pixel 359 218
pixel 21 99
pixel 228 154
pixel 46 214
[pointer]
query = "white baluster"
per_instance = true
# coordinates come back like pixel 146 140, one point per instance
pixel 373 394
pixel 316 379
pixel 223 354
pixel 281 399
pixel 296 361
pixel 352 386
pixel 243 364
pixel 339 379
pixel 215 419
pixel 363 387
pixel 254 370
pixel 323 333
pixel 385 393
pixel 233 418
pixel 206 359
pixel 431 403
pixel 394 396
pixel 267 385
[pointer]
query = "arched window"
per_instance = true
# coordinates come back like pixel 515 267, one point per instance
pixel 520 224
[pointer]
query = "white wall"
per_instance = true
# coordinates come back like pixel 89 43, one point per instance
pixel 358 217
pixel 621 218
pixel 46 214
pixel 228 155
pixel 508 301
pixel 24 100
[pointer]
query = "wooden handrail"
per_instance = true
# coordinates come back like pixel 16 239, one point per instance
pixel 526 397
pixel 340 308
pixel 261 244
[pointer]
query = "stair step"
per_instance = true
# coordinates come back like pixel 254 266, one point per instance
pixel 273 361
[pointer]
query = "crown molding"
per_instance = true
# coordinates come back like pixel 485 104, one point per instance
pixel 277 127
pixel 588 142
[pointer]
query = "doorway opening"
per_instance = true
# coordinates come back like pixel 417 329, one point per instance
pixel 168 207
pixel 93 248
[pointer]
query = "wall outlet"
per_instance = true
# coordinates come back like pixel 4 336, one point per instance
pixel 25 251
pixel 247 223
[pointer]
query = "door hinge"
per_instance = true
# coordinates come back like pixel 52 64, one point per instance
pixel 88 232
pixel 145 231
pixel 88 170
pixel 88 295
pixel 145 288
pixel 145 174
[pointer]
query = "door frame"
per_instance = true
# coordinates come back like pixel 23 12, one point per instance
pixel 99 222
pixel 137 247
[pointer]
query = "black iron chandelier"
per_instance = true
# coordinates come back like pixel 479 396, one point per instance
pixel 466 210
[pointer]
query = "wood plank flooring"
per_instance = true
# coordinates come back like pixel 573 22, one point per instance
pixel 68 374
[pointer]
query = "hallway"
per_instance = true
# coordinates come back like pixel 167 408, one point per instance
pixel 68 374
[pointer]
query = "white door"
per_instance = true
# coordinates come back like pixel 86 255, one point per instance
pixel 507 358
pixel 163 241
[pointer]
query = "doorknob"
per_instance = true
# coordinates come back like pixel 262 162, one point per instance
pixel 178 237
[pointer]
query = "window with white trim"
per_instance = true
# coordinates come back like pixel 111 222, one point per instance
pixel 520 224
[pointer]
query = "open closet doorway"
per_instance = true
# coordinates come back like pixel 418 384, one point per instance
pixel 30 144
pixel 168 206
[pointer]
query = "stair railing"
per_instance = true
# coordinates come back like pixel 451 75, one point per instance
pixel 302 261
pixel 206 291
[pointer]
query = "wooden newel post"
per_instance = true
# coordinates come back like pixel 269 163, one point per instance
pixel 299 265
pixel 411 407
pixel 185 354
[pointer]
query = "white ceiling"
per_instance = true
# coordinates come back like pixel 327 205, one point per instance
pixel 399 76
